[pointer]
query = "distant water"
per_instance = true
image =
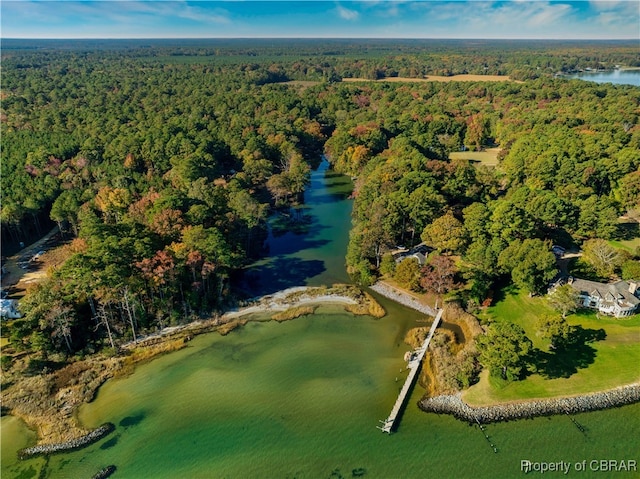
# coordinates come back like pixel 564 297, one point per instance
pixel 620 77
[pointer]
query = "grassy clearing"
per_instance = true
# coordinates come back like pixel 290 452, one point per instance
pixel 628 245
pixel 523 311
pixel 629 234
pixel 488 157
pixel 596 365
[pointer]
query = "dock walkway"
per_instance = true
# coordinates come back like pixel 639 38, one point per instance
pixel 414 366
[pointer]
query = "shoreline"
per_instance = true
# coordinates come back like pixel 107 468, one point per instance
pixel 52 416
pixel 401 297
pixel 454 405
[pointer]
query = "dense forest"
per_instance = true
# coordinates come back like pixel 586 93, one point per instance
pixel 162 162
pixel 569 161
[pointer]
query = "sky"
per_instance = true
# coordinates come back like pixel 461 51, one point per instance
pixel 511 19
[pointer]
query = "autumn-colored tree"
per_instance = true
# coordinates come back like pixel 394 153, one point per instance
pixel 476 132
pixel 112 202
pixel 167 223
pixel 438 275
pixel 158 270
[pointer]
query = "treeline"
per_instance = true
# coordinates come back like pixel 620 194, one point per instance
pixel 334 59
pixel 569 167
pixel 163 172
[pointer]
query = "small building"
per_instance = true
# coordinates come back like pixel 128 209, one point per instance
pixel 617 299
pixel 419 253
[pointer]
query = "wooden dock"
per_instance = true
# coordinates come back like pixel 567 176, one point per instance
pixel 414 366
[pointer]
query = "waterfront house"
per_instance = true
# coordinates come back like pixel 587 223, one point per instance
pixel 617 299
pixel 419 253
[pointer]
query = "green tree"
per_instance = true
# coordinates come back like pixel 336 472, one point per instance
pixel 628 192
pixel 505 349
pixel 631 269
pixel 446 234
pixel 556 329
pixel 564 299
pixel 387 264
pixel 65 209
pixel 408 274
pixel 530 263
pixel 476 219
pixel 510 222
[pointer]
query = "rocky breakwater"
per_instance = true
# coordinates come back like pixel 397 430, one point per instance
pixel 454 405
pixel 402 297
pixel 104 473
pixel 78 443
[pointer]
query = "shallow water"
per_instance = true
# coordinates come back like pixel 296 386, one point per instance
pixel 302 398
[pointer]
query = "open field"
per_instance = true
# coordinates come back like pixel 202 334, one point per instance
pixel 608 360
pixel 436 78
pixel 488 157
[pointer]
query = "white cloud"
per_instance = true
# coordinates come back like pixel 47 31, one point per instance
pixel 549 14
pixel 172 9
pixel 347 14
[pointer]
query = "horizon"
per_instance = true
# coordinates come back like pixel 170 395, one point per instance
pixel 348 20
pixel 390 39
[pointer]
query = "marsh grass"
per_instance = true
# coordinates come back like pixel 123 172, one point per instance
pixel 293 313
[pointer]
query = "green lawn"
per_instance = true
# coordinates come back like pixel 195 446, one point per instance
pixel 628 245
pixel 630 230
pixel 488 157
pixel 596 365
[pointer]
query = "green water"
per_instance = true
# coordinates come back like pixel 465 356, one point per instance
pixel 311 248
pixel 301 399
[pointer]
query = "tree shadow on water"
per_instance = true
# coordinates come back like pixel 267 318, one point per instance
pixel 278 274
pixel 569 355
